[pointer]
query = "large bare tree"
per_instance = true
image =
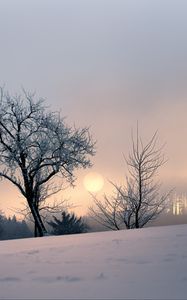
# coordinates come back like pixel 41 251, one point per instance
pixel 38 149
pixel 139 200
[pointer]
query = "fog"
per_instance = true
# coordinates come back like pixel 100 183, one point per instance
pixel 105 64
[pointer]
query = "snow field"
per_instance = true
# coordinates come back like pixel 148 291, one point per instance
pixel 149 263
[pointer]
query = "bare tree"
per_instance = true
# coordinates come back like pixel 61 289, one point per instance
pixel 109 212
pixel 37 148
pixel 139 200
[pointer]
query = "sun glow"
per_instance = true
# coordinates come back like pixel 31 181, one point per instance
pixel 93 182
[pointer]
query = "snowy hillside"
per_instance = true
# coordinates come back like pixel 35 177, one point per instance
pixel 146 263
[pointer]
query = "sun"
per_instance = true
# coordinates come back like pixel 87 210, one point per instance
pixel 93 182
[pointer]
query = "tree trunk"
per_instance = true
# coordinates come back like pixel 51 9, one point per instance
pixel 136 221
pixel 40 229
pixel 35 230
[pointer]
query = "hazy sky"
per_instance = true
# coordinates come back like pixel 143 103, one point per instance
pixel 105 64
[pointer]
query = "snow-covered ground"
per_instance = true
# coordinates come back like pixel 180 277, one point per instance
pixel 147 263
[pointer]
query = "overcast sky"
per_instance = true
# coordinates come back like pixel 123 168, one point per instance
pixel 105 64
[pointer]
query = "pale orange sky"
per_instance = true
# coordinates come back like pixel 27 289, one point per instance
pixel 104 64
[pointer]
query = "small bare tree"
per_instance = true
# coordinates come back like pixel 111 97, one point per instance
pixel 109 212
pixel 139 201
pixel 37 148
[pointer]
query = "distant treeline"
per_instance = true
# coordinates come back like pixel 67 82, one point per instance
pixel 65 223
pixel 11 228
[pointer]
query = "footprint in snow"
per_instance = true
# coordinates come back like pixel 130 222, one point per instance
pixel 54 279
pixel 8 279
pixel 101 276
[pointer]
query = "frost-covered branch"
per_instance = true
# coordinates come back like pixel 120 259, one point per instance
pixel 36 146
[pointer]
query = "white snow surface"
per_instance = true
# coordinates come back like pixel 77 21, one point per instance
pixel 149 263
